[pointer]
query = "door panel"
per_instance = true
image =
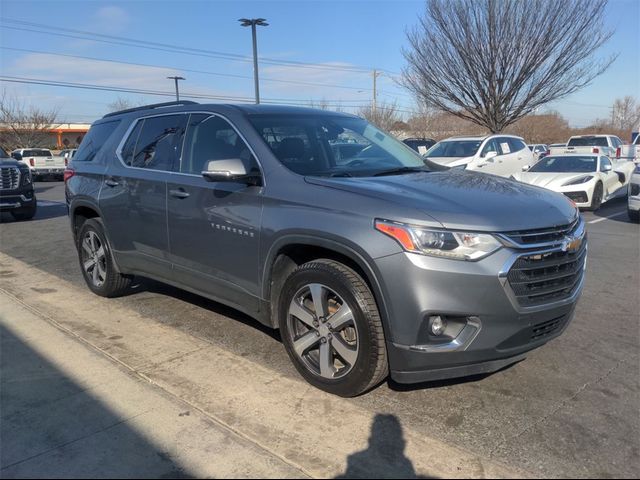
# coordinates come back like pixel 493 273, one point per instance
pixel 214 227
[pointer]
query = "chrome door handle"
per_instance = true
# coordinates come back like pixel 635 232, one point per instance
pixel 179 193
pixel 109 182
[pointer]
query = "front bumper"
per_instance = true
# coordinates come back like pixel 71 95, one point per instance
pixel 498 332
pixel 14 201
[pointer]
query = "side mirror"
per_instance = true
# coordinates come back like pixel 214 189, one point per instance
pixel 607 168
pixel 229 170
pixel 66 156
pixel 526 168
pixel 490 155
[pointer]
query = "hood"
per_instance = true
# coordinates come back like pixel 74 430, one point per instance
pixel 10 162
pixel 450 161
pixel 551 180
pixel 464 200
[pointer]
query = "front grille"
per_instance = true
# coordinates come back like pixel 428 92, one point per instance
pixel 635 189
pixel 540 278
pixel 543 235
pixel 578 197
pixel 9 178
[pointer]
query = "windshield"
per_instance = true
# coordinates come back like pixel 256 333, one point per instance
pixel 454 148
pixel 326 145
pixel 588 142
pixel 566 164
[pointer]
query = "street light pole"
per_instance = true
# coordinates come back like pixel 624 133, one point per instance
pixel 253 22
pixel 176 80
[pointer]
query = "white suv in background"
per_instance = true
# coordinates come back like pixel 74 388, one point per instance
pixel 497 154
pixel 634 196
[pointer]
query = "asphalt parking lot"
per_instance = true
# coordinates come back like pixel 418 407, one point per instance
pixel 571 409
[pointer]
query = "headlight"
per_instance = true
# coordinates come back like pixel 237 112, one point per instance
pixel 26 176
pixel 440 243
pixel 577 181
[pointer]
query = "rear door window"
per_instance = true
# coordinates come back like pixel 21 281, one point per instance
pixel 159 143
pixel 516 145
pixel 94 141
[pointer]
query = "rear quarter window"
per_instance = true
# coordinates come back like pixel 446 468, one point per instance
pixel 94 140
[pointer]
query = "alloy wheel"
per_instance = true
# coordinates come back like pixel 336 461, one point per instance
pixel 94 259
pixel 323 331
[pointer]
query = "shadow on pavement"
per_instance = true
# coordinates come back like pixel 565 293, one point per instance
pixel 44 212
pixel 384 457
pixel 616 206
pixel 52 427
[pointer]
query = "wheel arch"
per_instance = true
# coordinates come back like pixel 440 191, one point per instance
pixel 290 251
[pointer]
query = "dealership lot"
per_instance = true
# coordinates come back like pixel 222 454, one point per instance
pixel 570 409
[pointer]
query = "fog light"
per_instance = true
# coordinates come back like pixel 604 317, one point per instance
pixel 437 325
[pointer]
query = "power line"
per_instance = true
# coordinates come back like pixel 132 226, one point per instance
pixel 118 40
pixel 205 72
pixel 110 88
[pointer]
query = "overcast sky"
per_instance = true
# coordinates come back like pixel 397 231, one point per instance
pixel 48 41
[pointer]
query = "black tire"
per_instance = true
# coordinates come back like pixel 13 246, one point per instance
pixel 113 283
pixel 634 215
pixel 596 200
pixel 371 365
pixel 25 213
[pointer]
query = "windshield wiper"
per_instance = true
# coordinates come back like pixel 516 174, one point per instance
pixel 340 174
pixel 400 171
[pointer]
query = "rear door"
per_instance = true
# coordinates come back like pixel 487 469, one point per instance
pixel 133 198
pixel 214 227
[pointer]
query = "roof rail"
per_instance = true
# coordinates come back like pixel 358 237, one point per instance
pixel 154 105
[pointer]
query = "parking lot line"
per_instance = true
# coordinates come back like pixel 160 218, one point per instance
pixel 619 214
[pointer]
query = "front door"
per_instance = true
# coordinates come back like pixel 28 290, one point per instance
pixel 214 227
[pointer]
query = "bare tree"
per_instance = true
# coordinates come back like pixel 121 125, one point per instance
pixel 24 126
pixel 495 61
pixel 384 116
pixel 625 113
pixel 123 104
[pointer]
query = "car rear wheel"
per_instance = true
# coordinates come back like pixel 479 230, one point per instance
pixel 96 261
pixel 331 328
pixel 596 199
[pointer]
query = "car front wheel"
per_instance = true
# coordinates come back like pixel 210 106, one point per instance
pixel 596 199
pixel 331 328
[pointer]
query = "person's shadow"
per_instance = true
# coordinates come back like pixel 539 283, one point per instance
pixel 384 458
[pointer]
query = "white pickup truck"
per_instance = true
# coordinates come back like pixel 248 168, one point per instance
pixel 632 152
pixel 608 145
pixel 41 162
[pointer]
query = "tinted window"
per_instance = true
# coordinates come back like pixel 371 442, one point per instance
pixel 490 146
pixel 210 137
pixel 588 142
pixel 36 153
pixel 130 145
pixel 516 145
pixel 454 148
pixel 3 154
pixel 160 142
pixel 94 141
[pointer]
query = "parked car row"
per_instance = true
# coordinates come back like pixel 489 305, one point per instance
pixel 589 169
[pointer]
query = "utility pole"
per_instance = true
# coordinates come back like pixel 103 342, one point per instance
pixel 176 80
pixel 253 22
pixel 374 102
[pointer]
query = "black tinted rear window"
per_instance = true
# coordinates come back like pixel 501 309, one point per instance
pixel 36 153
pixel 588 142
pixel 94 140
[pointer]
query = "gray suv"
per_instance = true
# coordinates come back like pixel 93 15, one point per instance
pixel 372 264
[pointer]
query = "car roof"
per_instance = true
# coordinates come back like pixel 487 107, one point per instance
pixel 576 155
pixel 247 109
pixel 481 137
